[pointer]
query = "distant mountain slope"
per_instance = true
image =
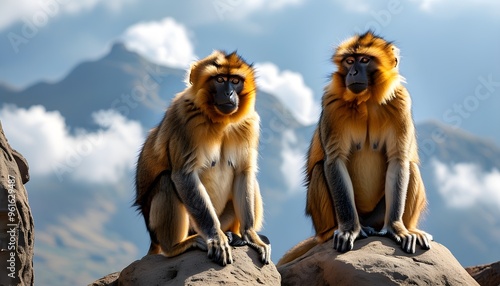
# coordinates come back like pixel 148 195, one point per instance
pixel 453 145
pixel 121 80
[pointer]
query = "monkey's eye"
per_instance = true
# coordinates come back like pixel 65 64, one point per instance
pixel 364 60
pixel 220 79
pixel 349 60
pixel 235 80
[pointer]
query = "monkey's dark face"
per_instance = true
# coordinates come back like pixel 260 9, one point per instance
pixel 224 87
pixel 359 69
pixel 227 88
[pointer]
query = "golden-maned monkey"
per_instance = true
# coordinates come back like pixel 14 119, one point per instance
pixel 362 169
pixel 196 174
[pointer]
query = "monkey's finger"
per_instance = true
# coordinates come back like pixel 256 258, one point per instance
pixel 266 254
pixel 223 255
pixel 343 242
pixel 390 234
pixel 408 243
pixel 264 251
pixel 347 243
pixel 336 240
pixel 211 249
pixel 423 241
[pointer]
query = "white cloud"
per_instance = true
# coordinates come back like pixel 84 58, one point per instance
pixel 292 161
pixel 165 42
pixel 465 184
pixel 290 88
pixel 103 156
pixel 79 248
pixel 38 13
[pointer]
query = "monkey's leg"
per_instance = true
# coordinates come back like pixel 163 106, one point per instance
pixel 247 205
pixel 342 192
pixel 170 222
pixel 396 187
pixel 197 203
pixel 415 205
pixel 319 204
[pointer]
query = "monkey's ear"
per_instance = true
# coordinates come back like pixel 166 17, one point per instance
pixel 192 74
pixel 395 50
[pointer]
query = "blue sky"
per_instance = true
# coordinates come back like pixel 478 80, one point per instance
pixel 448 48
pixel 449 56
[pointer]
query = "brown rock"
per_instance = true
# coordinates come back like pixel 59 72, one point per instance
pixel 486 275
pixel 108 280
pixel 375 261
pixel 194 268
pixel 16 222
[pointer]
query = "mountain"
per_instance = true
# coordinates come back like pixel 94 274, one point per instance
pixel 141 90
pixel 454 145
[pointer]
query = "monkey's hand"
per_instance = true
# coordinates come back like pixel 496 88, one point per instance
pixel 218 249
pixel 256 242
pixel 407 238
pixel 343 240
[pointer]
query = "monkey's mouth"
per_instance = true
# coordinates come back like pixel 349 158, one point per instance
pixel 226 108
pixel 357 87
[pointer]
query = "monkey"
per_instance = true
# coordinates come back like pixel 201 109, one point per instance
pixel 196 184
pixel 362 172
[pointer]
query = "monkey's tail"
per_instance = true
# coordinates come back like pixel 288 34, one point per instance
pixel 298 250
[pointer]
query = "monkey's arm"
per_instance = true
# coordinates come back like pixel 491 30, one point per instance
pixel 193 195
pixel 248 206
pixel 342 192
pixel 398 175
pixel 396 186
pixel 336 146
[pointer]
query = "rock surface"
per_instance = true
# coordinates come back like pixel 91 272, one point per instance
pixel 486 275
pixel 16 222
pixel 194 268
pixel 375 261
pixel 108 280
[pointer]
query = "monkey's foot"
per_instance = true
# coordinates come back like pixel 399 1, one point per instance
pixel 366 231
pixel 423 238
pixel 343 241
pixel 219 250
pixel 407 238
pixel 259 243
pixel 234 239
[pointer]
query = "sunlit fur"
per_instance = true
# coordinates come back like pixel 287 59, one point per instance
pixel 196 174
pixel 365 132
